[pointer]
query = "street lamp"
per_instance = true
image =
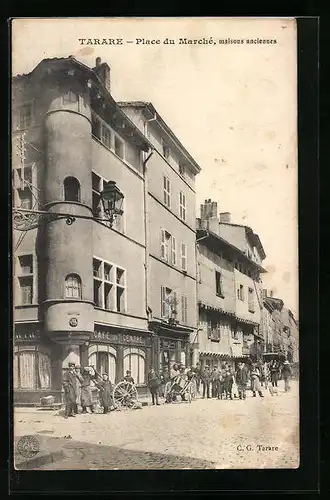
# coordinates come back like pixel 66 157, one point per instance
pixel 111 197
pixel 112 200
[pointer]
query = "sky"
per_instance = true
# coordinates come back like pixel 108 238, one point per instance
pixel 232 105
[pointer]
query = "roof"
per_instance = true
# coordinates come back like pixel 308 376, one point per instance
pixel 224 242
pixel 151 112
pixel 62 63
pixel 252 236
pixel 272 303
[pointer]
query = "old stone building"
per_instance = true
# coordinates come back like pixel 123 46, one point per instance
pixel 115 293
pixel 171 258
pixel 229 285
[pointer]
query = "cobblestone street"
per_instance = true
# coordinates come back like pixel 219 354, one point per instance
pixel 204 434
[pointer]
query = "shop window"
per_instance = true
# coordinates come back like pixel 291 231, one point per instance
pixel 71 189
pixel 134 360
pixel 73 286
pixel 32 369
pixel 104 362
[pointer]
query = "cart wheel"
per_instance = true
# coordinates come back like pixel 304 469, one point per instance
pixel 125 394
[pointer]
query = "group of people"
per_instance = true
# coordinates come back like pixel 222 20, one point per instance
pixel 77 384
pixel 222 382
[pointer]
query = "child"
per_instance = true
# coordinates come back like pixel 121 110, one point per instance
pixel 128 377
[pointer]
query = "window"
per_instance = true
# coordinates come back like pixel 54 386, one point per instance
pixel 97 187
pixel 251 300
pixel 70 97
pixel 71 189
pixel 104 360
pixel 25 279
pixel 182 169
pixel 218 284
pixel 119 147
pixel 182 206
pixel 32 369
pixel 134 360
pixel 23 185
pixel 240 293
pixel 173 251
pixel 96 127
pixel 166 245
pixel 184 309
pixel 106 136
pixel 167 192
pixel 25 116
pixel 169 303
pixel 213 330
pixel 96 195
pixel 166 150
pixel 184 256
pixel 73 286
pixel 109 286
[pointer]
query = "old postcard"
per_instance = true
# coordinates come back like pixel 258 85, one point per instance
pixel 155 243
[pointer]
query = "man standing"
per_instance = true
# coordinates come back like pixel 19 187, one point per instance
pixel 198 372
pixel 70 390
pixel 206 379
pixel 215 382
pixel 78 389
pixel 242 378
pixel 255 380
pixel 153 383
pixel 286 372
pixel 274 372
pixel 105 386
pixel 86 390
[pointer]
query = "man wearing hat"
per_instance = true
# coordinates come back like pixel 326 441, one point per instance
pixel 70 390
pixel 286 372
pixel 206 379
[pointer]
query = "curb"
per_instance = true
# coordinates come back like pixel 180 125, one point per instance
pixel 40 460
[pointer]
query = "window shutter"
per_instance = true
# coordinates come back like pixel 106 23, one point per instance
pixel 218 331
pixel 163 302
pixel 184 256
pixel 174 306
pixel 173 251
pixel 182 309
pixel 186 309
pixel 209 330
pixel 162 244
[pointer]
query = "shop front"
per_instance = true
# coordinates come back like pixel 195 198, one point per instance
pixel 170 345
pixel 114 350
pixel 35 370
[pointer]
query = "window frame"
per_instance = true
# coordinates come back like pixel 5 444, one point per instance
pixel 240 293
pixel 24 126
pixel 35 350
pixel 79 286
pixel 251 301
pixel 31 277
pixel 70 93
pixel 66 189
pixel 112 284
pixel 184 257
pixel 218 284
pixel 100 214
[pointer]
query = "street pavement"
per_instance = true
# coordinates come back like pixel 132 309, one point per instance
pixel 204 434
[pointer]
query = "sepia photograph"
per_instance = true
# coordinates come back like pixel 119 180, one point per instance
pixel 155 243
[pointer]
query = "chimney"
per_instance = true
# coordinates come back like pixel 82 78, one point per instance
pixel 209 209
pixel 225 217
pixel 103 71
pixel 264 293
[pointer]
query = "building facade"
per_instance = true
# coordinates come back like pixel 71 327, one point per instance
pixel 171 235
pixel 229 282
pixel 76 285
pixel 118 295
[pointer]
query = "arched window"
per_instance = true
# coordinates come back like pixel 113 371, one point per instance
pixel 73 286
pixel 104 359
pixel 134 360
pixel 71 189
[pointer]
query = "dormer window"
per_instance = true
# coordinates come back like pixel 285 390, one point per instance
pixel 70 97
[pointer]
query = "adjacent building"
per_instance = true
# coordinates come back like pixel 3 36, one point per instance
pixel 229 259
pixel 170 219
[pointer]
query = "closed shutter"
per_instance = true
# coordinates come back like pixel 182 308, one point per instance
pixel 184 256
pixel 163 302
pixel 209 330
pixel 173 251
pixel 174 307
pixel 162 244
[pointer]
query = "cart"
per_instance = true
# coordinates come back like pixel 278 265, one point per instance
pixel 125 395
pixel 186 389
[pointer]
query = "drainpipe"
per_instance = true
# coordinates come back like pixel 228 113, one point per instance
pixel 146 229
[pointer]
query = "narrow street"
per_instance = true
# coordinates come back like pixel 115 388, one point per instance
pixel 204 434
